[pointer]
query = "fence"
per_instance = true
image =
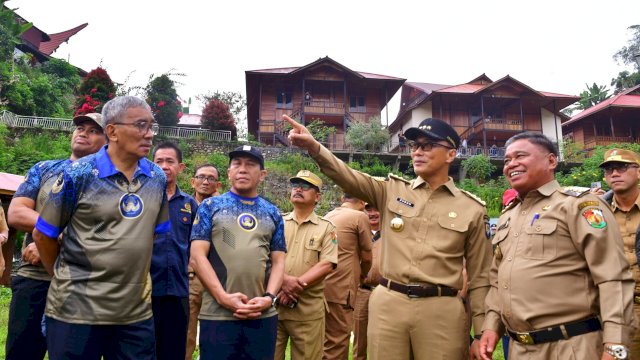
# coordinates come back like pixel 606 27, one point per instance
pixel 20 121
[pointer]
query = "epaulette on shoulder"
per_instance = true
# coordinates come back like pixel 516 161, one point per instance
pixel 576 191
pixel 474 197
pixel 510 206
pixel 396 177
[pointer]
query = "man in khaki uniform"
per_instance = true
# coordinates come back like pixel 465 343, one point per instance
pixel 429 226
pixel 361 311
pixel 205 183
pixel 622 173
pixel 312 255
pixel 354 262
pixel 560 282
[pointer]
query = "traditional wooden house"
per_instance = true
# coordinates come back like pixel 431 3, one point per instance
pixel 324 90
pixel 485 113
pixel 615 120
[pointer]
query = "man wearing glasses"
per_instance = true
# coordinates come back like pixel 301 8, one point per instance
pixel 110 206
pixel 205 183
pixel 30 283
pixel 622 174
pixel 430 226
pixel 311 256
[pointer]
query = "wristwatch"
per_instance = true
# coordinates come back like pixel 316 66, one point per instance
pixel 617 351
pixel 273 298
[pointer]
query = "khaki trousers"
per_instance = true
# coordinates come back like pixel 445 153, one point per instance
pixel 306 339
pixel 582 347
pixel 195 302
pixel 338 325
pixel 360 321
pixel 403 328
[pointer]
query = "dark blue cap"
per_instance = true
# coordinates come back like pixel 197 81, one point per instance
pixel 435 129
pixel 248 150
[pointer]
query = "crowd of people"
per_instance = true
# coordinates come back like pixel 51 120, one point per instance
pixel 120 263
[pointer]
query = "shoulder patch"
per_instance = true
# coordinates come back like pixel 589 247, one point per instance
pixel 575 191
pixel 396 177
pixel 474 197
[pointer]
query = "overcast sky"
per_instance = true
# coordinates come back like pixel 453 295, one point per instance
pixel 554 46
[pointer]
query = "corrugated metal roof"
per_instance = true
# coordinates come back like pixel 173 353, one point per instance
pixel 624 99
pixel 426 87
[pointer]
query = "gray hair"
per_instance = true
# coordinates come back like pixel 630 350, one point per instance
pixel 116 108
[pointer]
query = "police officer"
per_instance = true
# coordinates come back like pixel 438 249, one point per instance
pixel 560 283
pixel 429 226
pixel 622 174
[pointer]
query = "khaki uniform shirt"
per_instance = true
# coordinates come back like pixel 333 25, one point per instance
pixel 308 242
pixel 3 221
pixel 440 227
pixel 628 222
pixel 559 259
pixel 373 277
pixel 354 238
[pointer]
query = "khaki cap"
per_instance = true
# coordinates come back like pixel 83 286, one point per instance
pixel 308 176
pixel 621 156
pixel 95 117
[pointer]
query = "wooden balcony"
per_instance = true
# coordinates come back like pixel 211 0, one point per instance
pixel 324 107
pixel 608 140
pixel 498 124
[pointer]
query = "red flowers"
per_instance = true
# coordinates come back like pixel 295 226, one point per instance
pixel 161 103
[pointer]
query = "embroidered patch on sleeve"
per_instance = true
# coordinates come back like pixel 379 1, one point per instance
pixel 594 218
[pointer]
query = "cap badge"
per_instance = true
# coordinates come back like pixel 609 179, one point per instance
pixel 246 148
pixel 453 215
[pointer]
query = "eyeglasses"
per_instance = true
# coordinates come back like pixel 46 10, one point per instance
pixel 425 146
pixel 210 179
pixel 301 185
pixel 619 167
pixel 143 126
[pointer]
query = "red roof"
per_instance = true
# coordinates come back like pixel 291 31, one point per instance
pixel 426 87
pixel 627 98
pixel 48 47
pixel 9 183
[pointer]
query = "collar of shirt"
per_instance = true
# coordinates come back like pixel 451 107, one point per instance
pixel 178 194
pixel 106 167
pixel 614 206
pixel 313 218
pixel 544 190
pixel 449 185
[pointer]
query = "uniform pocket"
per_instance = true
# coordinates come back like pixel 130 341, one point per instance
pixel 540 243
pixel 312 249
pixel 452 233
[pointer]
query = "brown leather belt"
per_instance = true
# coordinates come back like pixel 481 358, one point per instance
pixel 556 333
pixel 419 291
pixel 367 287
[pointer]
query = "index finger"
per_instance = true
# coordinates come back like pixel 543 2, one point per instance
pixel 293 123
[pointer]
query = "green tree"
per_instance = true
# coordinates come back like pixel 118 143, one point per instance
pixel 594 94
pixel 163 99
pixel 627 53
pixel 319 130
pixel 479 168
pixel 625 80
pixel 367 136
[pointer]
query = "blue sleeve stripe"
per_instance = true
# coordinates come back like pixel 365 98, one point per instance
pixel 164 227
pixel 47 229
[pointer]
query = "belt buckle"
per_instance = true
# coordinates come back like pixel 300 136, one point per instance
pixel 525 338
pixel 636 299
pixel 410 293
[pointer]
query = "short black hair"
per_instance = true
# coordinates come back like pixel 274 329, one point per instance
pixel 168 145
pixel 204 166
pixel 536 139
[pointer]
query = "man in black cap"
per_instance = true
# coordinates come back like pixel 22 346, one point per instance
pixel 237 252
pixel 429 226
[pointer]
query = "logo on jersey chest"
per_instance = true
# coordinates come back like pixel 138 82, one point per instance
pixel 131 206
pixel 247 222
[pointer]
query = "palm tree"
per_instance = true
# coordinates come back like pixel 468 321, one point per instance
pixel 593 95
